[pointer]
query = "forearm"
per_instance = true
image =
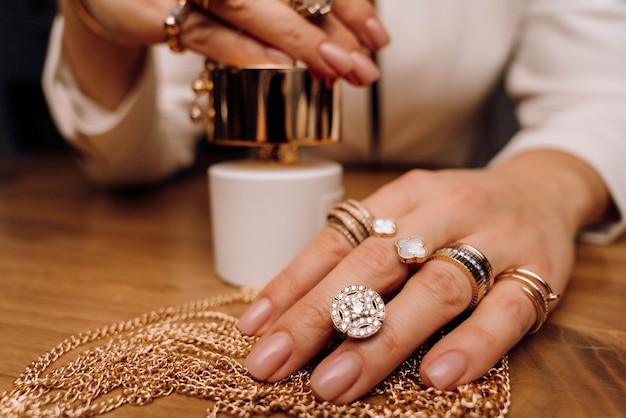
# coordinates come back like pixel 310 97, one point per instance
pixel 560 181
pixel 104 70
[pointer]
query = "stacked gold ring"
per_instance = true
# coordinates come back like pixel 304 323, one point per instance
pixel 357 223
pixel 352 220
pixel 537 289
pixel 473 264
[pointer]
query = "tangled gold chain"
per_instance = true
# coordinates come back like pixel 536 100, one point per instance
pixel 195 351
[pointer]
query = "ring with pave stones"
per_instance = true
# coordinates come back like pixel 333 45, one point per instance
pixel 357 311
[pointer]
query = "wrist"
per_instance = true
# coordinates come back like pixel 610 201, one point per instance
pixel 567 183
pixel 92 59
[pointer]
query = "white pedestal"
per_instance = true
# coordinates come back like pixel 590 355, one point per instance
pixel 264 213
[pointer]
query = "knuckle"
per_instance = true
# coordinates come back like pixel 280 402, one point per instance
pixel 393 344
pixel 290 285
pixel 334 243
pixel 414 177
pixel 449 285
pixel 518 307
pixel 468 195
pixel 314 318
pixel 374 259
pixel 486 336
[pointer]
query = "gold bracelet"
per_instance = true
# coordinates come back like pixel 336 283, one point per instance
pixel 79 8
pixel 172 25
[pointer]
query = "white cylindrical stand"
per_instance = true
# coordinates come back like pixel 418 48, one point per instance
pixel 264 213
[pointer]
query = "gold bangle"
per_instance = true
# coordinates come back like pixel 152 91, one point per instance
pixel 79 8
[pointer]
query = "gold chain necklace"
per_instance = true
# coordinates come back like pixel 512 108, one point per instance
pixel 195 351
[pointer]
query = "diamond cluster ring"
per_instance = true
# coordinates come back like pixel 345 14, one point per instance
pixel 311 8
pixel 357 311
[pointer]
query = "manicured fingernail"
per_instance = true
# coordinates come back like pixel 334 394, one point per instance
pixel 337 57
pixel 278 57
pixel 255 316
pixel 268 355
pixel 377 33
pixel 331 380
pixel 364 69
pixel 445 372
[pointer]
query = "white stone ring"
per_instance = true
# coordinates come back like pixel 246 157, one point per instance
pixel 311 8
pixel 411 250
pixel 357 312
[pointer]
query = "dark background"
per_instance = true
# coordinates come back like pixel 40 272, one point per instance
pixel 25 124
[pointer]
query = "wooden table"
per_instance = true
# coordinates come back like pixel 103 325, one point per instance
pixel 75 258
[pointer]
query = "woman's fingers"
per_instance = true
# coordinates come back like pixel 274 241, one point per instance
pixel 330 248
pixel 306 328
pixel 316 260
pixel 430 299
pixel 257 32
pixel 221 43
pixel 328 48
pixel 478 343
pixel 319 258
pixel 361 19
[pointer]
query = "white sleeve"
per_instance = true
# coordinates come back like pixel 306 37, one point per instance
pixel 147 138
pixel 569 78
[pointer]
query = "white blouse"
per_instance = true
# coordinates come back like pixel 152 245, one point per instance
pixel 563 63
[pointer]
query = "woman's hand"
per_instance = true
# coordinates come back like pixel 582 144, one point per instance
pixel 248 32
pixel 234 32
pixel 269 31
pixel 522 214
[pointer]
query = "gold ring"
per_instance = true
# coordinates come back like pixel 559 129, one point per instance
pixel 356 223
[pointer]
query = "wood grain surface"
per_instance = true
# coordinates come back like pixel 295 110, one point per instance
pixel 74 258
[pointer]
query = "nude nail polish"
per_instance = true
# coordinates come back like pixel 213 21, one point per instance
pixel 255 316
pixel 278 57
pixel 269 355
pixel 332 379
pixel 364 69
pixel 445 372
pixel 377 33
pixel 337 57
